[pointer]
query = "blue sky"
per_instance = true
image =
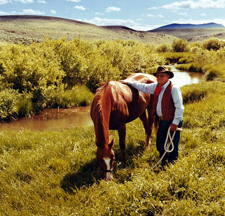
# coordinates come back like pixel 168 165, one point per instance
pixel 136 14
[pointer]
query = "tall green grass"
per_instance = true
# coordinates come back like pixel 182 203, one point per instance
pixel 55 173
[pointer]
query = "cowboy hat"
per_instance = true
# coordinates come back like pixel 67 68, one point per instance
pixel 162 69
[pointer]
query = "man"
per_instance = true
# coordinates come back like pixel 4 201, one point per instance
pixel 167 103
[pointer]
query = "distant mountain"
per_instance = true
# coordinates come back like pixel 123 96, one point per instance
pixel 177 25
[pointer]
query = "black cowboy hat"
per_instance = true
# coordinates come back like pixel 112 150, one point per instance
pixel 162 69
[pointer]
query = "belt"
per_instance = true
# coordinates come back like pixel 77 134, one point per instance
pixel 161 119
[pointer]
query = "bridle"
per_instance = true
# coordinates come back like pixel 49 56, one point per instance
pixel 104 170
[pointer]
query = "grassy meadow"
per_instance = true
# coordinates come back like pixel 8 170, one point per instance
pixel 56 173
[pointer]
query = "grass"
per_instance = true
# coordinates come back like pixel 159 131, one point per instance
pixel 55 173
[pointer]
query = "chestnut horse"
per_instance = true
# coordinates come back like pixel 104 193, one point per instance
pixel 114 105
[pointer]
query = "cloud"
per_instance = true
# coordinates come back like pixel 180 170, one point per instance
pixel 200 4
pixel 110 9
pixel 152 8
pixel 24 1
pixel 105 22
pixel 73 0
pixel 2 2
pixel 79 7
pixel 183 14
pixel 53 12
pixel 100 14
pixel 203 14
pixel 41 1
pixel 2 13
pixel 151 15
pixel 32 12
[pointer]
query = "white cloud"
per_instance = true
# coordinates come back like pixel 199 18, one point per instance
pixel 152 8
pixel 104 22
pixel 100 14
pixel 110 9
pixel 41 1
pixel 150 15
pixel 2 2
pixel 53 12
pixel 24 1
pixel 2 13
pixel 73 0
pixel 32 12
pixel 203 4
pixel 79 8
pixel 183 14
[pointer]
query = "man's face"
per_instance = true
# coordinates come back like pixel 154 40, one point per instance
pixel 162 78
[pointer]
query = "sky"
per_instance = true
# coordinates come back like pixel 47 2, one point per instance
pixel 136 14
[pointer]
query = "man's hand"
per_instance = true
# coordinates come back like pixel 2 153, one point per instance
pixel 123 81
pixel 173 127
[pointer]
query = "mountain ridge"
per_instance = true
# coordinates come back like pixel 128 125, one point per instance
pixel 189 25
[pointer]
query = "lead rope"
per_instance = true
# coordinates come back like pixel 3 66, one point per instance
pixel 167 146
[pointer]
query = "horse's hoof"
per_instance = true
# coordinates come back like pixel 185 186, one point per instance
pixel 147 148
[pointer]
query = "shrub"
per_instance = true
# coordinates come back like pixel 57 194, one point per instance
pixel 212 44
pixel 164 48
pixel 180 45
pixel 8 103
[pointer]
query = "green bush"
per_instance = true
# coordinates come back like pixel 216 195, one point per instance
pixel 212 44
pixel 164 48
pixel 180 45
pixel 8 102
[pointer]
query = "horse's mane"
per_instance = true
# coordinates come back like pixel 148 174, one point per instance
pixel 99 95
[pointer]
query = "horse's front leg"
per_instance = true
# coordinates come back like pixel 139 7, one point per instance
pixel 122 137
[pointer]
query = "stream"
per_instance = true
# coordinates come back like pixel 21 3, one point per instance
pixel 59 119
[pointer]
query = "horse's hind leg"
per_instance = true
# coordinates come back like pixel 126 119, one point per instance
pixel 122 137
pixel 145 122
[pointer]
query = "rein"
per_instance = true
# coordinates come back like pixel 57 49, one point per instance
pixel 167 146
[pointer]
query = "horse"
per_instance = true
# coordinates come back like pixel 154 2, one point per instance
pixel 115 104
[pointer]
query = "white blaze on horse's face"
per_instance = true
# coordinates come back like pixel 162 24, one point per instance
pixel 107 163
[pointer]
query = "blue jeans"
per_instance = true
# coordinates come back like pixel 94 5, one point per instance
pixel 161 137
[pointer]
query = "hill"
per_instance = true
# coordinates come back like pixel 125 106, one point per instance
pixel 192 32
pixel 177 25
pixel 26 29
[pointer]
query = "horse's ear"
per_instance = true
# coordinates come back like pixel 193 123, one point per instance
pixel 111 143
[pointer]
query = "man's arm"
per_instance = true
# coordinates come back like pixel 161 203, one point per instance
pixel 143 87
pixel 179 108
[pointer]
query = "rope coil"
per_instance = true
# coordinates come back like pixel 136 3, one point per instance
pixel 167 145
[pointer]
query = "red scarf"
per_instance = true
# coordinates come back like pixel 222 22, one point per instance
pixel 158 89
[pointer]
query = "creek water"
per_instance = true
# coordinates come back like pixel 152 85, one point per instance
pixel 59 119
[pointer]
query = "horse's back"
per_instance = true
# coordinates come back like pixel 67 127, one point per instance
pixel 126 103
pixel 141 77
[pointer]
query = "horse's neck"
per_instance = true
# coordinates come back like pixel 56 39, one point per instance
pixel 104 119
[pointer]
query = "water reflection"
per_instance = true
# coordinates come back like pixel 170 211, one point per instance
pixel 185 78
pixel 52 120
